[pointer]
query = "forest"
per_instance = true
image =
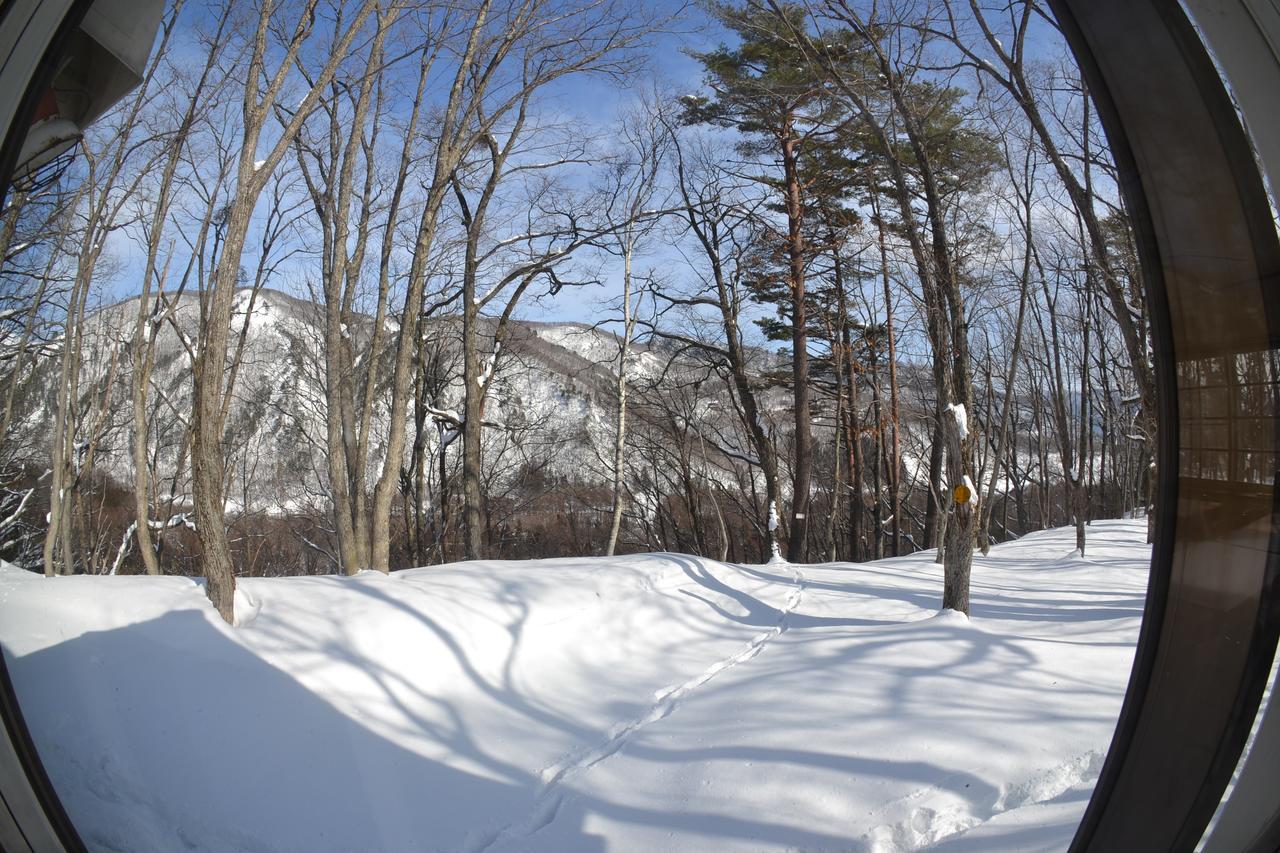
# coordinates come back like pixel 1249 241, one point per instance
pixel 374 284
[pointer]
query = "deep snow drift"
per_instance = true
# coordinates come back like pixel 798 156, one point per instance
pixel 645 703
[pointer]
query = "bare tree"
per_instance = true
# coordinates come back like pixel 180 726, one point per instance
pixel 891 110
pixel 632 190
pixel 510 53
pixel 340 171
pixel 112 177
pixel 263 87
pixel 1023 185
pixel 153 312
pixel 724 229
pixel 1007 67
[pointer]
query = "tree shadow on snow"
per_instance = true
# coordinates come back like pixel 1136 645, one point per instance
pixel 173 729
pixel 761 615
pixel 169 735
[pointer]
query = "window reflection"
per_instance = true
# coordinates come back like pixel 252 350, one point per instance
pixel 1227 409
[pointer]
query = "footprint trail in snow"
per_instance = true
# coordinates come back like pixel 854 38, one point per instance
pixel 547 805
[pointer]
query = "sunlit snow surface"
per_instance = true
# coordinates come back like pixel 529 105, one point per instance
pixel 645 703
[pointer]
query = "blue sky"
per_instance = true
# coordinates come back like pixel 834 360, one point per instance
pixel 596 102
pixel 600 102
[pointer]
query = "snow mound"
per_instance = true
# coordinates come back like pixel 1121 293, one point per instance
pixel 947 616
pixel 649 702
pixel 246 607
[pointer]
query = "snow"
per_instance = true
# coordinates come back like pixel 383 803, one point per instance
pixel 961 415
pixel 263 314
pixel 595 345
pixel 775 557
pixel 482 381
pixel 600 347
pixel 649 702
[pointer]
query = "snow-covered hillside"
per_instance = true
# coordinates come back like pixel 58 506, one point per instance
pixel 657 702
pixel 552 399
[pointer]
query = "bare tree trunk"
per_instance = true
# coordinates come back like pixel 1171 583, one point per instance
pixel 1011 375
pixel 150 317
pixel 620 431
pixel 798 539
pixel 934 505
pixel 984 525
pixel 837 479
pixel 141 481
pixel 847 415
pixel 455 141
pixel 877 465
pixel 853 441
pixel 333 190
pixel 472 425
pixel 207 457
pixel 709 218
pixel 1081 497
pixel 103 197
pixel 895 456
pixel 210 397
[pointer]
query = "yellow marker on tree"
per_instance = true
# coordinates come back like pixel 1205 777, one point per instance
pixel 961 493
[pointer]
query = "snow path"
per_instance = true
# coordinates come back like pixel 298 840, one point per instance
pixel 665 701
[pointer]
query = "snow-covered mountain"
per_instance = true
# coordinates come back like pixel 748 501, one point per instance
pixel 552 399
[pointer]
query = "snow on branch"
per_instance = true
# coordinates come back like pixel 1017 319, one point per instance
pixel 482 383
pixel 447 415
pixel 126 541
pixel 17 513
pixel 958 412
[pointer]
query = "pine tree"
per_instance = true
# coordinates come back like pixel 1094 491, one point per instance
pixel 767 92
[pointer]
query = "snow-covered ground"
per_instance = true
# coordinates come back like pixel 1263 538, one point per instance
pixel 648 703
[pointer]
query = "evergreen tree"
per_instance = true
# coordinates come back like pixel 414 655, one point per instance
pixel 783 108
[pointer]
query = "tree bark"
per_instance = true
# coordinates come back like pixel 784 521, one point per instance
pixel 620 431
pixel 802 472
